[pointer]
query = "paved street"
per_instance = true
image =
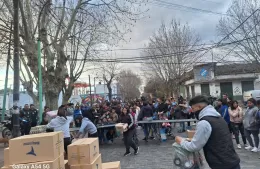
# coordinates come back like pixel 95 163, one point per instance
pixel 154 156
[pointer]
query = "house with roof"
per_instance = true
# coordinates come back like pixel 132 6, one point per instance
pixel 215 80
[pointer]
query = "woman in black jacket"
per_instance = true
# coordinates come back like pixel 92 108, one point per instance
pixel 128 134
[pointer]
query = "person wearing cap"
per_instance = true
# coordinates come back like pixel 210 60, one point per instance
pixel 212 135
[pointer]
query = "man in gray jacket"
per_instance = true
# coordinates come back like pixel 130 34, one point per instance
pixel 212 135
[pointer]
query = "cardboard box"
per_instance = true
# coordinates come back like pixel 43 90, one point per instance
pixel 36 148
pixel 190 133
pixel 97 164
pixel 83 151
pixel 66 164
pixel 111 165
pixel 4 167
pixel 121 127
pixel 58 163
pixel 6 157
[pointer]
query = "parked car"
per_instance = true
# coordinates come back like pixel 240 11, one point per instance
pixel 255 94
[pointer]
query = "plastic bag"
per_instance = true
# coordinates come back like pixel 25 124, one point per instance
pixel 163 135
pixel 182 159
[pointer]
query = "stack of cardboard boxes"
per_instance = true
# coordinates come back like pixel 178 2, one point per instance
pixel 46 151
pixel 84 154
pixel 35 151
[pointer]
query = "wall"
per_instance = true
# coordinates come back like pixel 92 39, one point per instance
pixel 257 83
pixel 197 88
pixel 217 88
pixel 212 89
pixel 237 90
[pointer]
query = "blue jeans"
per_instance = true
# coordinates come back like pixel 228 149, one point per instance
pixel 182 124
pixel 146 129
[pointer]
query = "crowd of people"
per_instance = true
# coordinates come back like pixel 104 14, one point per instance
pixel 245 122
pixel 238 121
pixel 87 118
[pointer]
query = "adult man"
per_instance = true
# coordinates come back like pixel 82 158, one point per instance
pixel 145 114
pixel 162 107
pixel 25 120
pixel 34 115
pixel 212 135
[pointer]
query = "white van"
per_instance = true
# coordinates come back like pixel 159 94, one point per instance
pixel 251 94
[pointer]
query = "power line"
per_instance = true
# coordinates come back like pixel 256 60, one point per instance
pixel 165 55
pixel 171 5
pixel 163 63
pixel 238 43
pixel 126 49
pixel 227 36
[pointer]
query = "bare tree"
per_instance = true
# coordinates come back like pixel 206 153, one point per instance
pixel 155 87
pixel 70 33
pixel 168 57
pixel 109 71
pixel 129 84
pixel 248 49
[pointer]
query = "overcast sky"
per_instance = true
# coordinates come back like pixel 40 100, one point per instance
pixel 203 23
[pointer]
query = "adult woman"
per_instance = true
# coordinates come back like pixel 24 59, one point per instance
pixel 251 126
pixel 128 134
pixel 236 122
pixel 62 123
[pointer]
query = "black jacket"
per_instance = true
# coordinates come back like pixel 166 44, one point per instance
pixel 34 115
pixel 127 119
pixel 219 150
pixel 162 107
pixel 25 114
pixel 146 111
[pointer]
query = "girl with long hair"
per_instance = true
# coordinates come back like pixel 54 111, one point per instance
pixel 236 122
pixel 128 134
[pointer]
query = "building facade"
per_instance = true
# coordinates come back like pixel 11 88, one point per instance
pixel 215 80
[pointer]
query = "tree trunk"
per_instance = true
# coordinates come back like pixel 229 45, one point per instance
pixel 34 98
pixel 51 99
pixel 109 91
pixel 67 94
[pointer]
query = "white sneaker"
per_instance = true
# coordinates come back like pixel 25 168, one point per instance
pixel 255 150
pixel 239 146
pixel 248 147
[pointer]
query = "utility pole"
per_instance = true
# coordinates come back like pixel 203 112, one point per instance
pixel 104 86
pixel 16 85
pixel 94 88
pixel 40 78
pixel 90 90
pixel 6 74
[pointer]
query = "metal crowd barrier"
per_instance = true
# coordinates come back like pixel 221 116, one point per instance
pixel 42 128
pixel 142 122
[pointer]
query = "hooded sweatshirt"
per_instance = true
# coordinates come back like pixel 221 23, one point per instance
pixel 250 119
pixel 87 126
pixel 146 111
pixel 203 131
pixel 61 124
